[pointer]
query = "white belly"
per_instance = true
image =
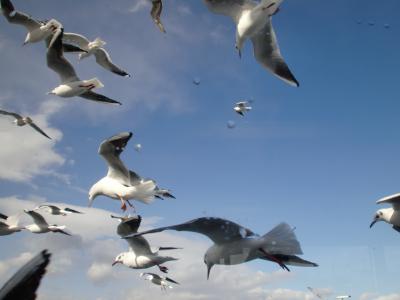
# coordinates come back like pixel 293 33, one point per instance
pixel 69 90
pixel 250 23
pixel 37 35
pixel 139 262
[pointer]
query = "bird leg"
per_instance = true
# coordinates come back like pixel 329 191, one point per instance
pixel 131 205
pixel 123 206
pixel 163 269
pixel 274 259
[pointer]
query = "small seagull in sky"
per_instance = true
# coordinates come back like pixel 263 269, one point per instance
pixel 57 211
pixel 242 107
pixel 196 81
pixel 163 282
pixel 138 147
pixel 231 124
pixel 253 21
pixel 389 215
pixel 71 85
pixel 9 225
pixel 155 13
pixel 121 183
pixel 140 255
pixel 235 244
pixel 22 121
pixel 41 226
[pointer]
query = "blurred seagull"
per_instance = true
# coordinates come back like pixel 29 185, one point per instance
pixel 121 183
pixel 41 226
pixel 231 124
pixel 343 297
pixel 253 21
pixel 22 121
pixel 95 48
pixel 242 107
pixel 9 225
pixel 140 255
pixel 71 85
pixel 234 244
pixel 389 215
pixel 315 293
pixel 55 210
pixel 155 13
pixel 196 81
pixel 163 282
pixel 24 283
pixel 387 26
pixel 138 147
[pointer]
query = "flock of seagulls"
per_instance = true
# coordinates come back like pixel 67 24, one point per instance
pixel 232 243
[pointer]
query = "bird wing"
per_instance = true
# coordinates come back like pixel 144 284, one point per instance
pixel 156 276
pixel 89 95
pixel 4 217
pixel 58 63
pixel 50 207
pixel 6 113
pixel 24 283
pixel 37 128
pixel 73 210
pixel 394 200
pixel 104 60
pixel 128 226
pixel 77 39
pixel 281 240
pixel 37 218
pixel 17 17
pixel 314 292
pixel 139 245
pixel 110 150
pixel 267 53
pixel 218 230
pixel 230 8
pixel 171 280
pixel 155 13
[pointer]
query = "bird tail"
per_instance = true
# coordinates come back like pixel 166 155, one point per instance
pixel 164 193
pixel 97 43
pixel 281 240
pixel 13 221
pixel 95 82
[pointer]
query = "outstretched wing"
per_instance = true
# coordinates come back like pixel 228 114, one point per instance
pixel 129 225
pixel 104 60
pixel 77 39
pixel 37 128
pixel 392 199
pixel 73 210
pixel 7 113
pixel 17 17
pixel 24 283
pixel 218 230
pixel 89 95
pixel 230 8
pixel 37 218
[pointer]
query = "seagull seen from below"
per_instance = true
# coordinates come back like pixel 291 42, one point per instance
pixel 253 21
pixel 140 255
pixel 163 282
pixel 121 183
pixel 22 121
pixel 242 107
pixel 41 226
pixel 57 211
pixel 235 244
pixel 9 225
pixel 389 215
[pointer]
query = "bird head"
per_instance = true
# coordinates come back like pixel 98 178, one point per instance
pixel 384 214
pixel 118 260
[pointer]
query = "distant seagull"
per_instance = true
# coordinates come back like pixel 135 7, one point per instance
pixel 196 81
pixel 387 26
pixel 155 13
pixel 138 147
pixel 315 293
pixel 253 21
pixel 163 282
pixel 234 244
pixel 55 210
pixel 24 283
pixel 9 225
pixel 371 23
pixel 71 85
pixel 231 124
pixel 121 183
pixel 22 121
pixel 95 48
pixel 389 215
pixel 343 297
pixel 41 226
pixel 140 255
pixel 242 107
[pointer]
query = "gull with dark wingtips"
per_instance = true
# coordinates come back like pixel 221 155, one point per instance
pixel 57 211
pixel 163 282
pixel 40 225
pixel 9 224
pixel 242 107
pixel 390 215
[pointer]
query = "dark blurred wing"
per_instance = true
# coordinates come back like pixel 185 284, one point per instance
pixel 98 98
pixel 267 53
pixel 218 230
pixel 392 199
pixel 25 282
pixel 129 226
pixel 4 217
pixel 6 113
pixel 104 60
pixel 17 17
pixel 34 126
pixel 73 210
pixel 230 8
pixel 37 218
pixel 171 280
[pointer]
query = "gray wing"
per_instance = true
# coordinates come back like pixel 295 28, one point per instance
pixel 24 283
pixel 218 230
pixel 156 276
pixel 17 17
pixel 129 226
pixel 34 126
pixel 139 245
pixel 37 218
pixel 104 60
pixel 58 63
pixel 155 13
pixel 267 53
pixel 230 8
pixel 392 199
pixel 51 207
pixel 76 39
pixel 89 95
pixel 4 217
pixel 110 150
pixel 171 280
pixel 6 113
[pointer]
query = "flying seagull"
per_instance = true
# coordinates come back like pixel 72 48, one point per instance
pixel 315 293
pixel 22 121
pixel 140 255
pixel 138 147
pixel 231 124
pixel 235 244
pixel 155 13
pixel 71 85
pixel 9 225
pixel 253 21
pixel 196 81
pixel 163 282
pixel 389 215
pixel 95 48
pixel 41 226
pixel 242 107
pixel 24 283
pixel 121 183
pixel 55 210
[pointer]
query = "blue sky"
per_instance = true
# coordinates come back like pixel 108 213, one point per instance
pixel 317 156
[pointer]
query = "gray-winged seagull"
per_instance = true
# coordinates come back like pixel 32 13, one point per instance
pixel 389 215
pixel 163 282
pixel 242 107
pixel 9 225
pixel 57 211
pixel 41 226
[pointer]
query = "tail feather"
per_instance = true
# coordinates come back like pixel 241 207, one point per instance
pixel 294 260
pixel 281 240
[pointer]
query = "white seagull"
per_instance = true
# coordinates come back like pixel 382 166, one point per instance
pixel 253 21
pixel 71 85
pixel 163 282
pixel 231 124
pixel 140 255
pixel 9 224
pixel 95 48
pixel 389 215
pixel 138 147
pixel 41 226
pixel 121 183
pixel 57 211
pixel 242 107
pixel 155 14
pixel 343 297
pixel 234 244
pixel 22 121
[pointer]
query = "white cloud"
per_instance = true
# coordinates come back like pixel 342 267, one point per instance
pixel 14 262
pixel 139 5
